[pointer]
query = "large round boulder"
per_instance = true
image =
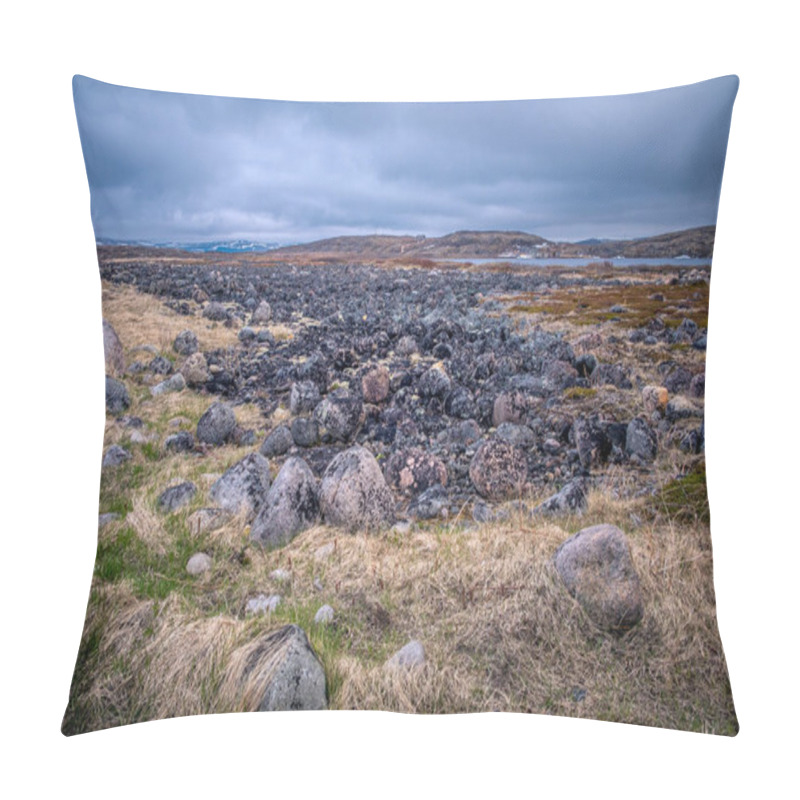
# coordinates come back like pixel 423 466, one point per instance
pixel 217 425
pixel 243 488
pixel 291 505
pixel 186 343
pixel 498 470
pixel 597 569
pixel 354 494
pixel 375 384
pixel 414 470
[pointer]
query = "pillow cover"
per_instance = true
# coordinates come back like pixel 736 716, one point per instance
pixel 404 407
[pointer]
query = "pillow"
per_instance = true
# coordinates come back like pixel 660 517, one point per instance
pixel 404 407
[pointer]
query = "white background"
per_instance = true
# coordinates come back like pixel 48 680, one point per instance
pixel 52 372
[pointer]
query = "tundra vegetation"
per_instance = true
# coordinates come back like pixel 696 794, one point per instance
pixel 378 479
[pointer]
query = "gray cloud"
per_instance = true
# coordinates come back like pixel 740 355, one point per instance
pixel 190 167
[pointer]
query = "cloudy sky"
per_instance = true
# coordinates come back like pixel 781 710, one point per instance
pixel 178 167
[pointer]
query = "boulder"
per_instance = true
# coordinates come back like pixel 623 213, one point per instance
pixel 198 564
pixel 655 398
pixel 305 431
pixel 186 343
pixel 339 415
pixel 278 442
pixel 324 615
pixel 434 383
pixel 375 384
pixel 195 370
pixel 217 425
pixel 430 503
pixel 509 407
pixel 682 408
pixel 354 494
pixel 291 505
pixel 412 471
pixel 406 346
pixel 112 347
pixel 640 440
pixel 597 569
pixel 205 520
pixel 215 311
pixel 591 440
pixel 262 315
pixel 181 442
pixel 518 435
pixel 303 397
pixel 243 488
pixel 570 499
pixel 498 470
pixel 175 383
pixel 176 497
pixel 117 398
pixel 114 456
pixel 283 673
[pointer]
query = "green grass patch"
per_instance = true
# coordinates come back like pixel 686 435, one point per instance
pixel 685 499
pixel 579 392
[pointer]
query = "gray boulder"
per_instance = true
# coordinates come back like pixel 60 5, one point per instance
pixel 287 671
pixel 181 442
pixel 518 435
pixel 597 569
pixel 195 370
pixel 591 440
pixel 217 425
pixel 304 397
pixel 430 503
pixel 305 431
pixel 243 488
pixel 408 656
pixel 682 408
pixel 215 311
pixel 291 505
pixel 117 398
pixel 324 615
pixel 413 470
pixel 278 442
pixel 176 497
pixel 339 415
pixel 354 494
pixel 112 347
pixel 640 440
pixel 115 455
pixel 570 499
pixel 375 384
pixel 262 315
pixel 198 564
pixel 185 343
pixel 175 383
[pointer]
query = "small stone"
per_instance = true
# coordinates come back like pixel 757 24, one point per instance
pixel 117 398
pixel 176 497
pixel 280 575
pixel 324 615
pixel 105 519
pixel 408 656
pixel 181 442
pixel 402 527
pixel 115 455
pixel 324 552
pixel 205 520
pixel 263 604
pixel 198 564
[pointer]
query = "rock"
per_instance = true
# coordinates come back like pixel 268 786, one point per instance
pixel 115 455
pixel 181 442
pixel 430 503
pixel 174 383
pixel 570 499
pixel 246 334
pixel 105 519
pixel 324 615
pixel 354 494
pixel 325 551
pixel 339 415
pixel 205 520
pixel 517 435
pixel 291 506
pixel 263 604
pixel 677 380
pixel 655 398
pixel 697 386
pixel 682 408
pixel 198 564
pixel 481 512
pixel 412 471
pixel 216 426
pixel 597 569
pixel 314 369
pixel 278 442
pixel 195 370
pixel 509 407
pixel 176 497
pixel 375 385
pixel 304 397
pixel 401 527
pixel 459 403
pixel 591 440
pixel 186 343
pixel 498 470
pixel 160 366
pixel 112 347
pixel 409 656
pixel 280 575
pixel 640 440
pixel 284 669
pixel 434 383
pixel 406 346
pixel 585 365
pixel 262 315
pixel 117 398
pixel 305 432
pixel 215 311
pixel 243 488
pixel 611 375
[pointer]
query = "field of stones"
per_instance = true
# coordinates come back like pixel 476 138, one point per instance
pixel 413 488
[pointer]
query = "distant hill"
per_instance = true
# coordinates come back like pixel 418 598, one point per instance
pixel 695 242
pixel 224 246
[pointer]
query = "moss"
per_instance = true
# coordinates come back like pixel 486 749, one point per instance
pixel 579 392
pixel 685 499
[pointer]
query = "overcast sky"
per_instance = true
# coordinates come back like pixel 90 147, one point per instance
pixel 179 167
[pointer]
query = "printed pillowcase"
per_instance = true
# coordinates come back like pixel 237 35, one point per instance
pixel 404 407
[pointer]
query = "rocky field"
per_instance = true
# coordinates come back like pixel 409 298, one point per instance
pixel 420 489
